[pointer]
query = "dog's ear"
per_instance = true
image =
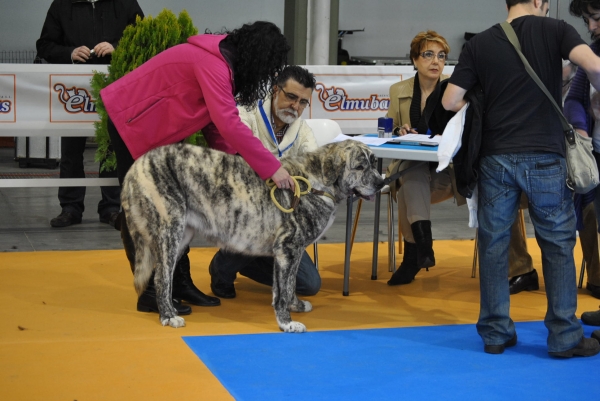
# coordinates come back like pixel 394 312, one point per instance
pixel 334 163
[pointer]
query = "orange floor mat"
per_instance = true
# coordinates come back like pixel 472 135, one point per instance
pixel 70 330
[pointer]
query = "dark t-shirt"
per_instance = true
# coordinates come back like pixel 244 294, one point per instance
pixel 518 116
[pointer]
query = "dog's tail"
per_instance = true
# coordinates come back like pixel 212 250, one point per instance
pixel 144 265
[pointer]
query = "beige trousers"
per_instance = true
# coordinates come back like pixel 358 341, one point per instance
pixel 422 187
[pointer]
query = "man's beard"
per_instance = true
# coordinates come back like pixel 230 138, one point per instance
pixel 281 114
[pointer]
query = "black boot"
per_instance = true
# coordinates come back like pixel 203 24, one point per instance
pixel 147 301
pixel 184 288
pixel 127 241
pixel 422 234
pixel 408 269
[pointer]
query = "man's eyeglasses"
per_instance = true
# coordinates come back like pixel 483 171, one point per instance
pixel 428 55
pixel 294 98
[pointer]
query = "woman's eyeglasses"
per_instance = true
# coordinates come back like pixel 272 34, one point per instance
pixel 294 98
pixel 428 55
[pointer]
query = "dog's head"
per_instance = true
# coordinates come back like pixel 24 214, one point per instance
pixel 351 168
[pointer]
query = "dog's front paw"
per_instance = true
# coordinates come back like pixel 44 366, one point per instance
pixel 293 327
pixel 174 322
pixel 301 306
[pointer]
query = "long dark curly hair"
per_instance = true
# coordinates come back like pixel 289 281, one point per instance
pixel 261 52
pixel 578 7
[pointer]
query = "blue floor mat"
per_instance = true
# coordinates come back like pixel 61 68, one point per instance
pixel 417 363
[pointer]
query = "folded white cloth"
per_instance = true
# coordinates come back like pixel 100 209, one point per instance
pixel 472 205
pixel 451 138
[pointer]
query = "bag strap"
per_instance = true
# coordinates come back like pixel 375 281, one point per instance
pixel 512 37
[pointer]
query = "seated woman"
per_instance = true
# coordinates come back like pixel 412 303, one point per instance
pixel 415 106
pixel 412 106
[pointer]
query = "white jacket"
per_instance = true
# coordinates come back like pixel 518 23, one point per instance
pixel 298 138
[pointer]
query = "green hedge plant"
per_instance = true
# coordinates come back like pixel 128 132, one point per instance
pixel 140 42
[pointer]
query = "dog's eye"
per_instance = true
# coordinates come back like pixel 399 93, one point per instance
pixel 359 167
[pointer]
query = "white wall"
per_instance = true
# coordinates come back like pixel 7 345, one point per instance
pixel 389 24
pixel 21 20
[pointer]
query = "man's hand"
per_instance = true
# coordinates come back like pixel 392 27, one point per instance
pixel 103 49
pixel 282 179
pixel 80 54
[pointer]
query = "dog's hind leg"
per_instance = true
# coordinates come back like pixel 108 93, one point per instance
pixel 287 260
pixel 165 258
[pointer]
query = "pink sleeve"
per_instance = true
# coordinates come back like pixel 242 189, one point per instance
pixel 214 78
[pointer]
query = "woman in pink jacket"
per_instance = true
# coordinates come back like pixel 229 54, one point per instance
pixel 191 87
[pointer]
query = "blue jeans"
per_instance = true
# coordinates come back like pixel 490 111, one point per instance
pixel 225 265
pixel 542 177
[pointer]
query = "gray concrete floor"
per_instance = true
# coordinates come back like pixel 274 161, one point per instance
pixel 25 215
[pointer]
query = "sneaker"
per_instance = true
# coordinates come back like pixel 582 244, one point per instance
pixel 65 219
pixel 109 218
pixel 596 335
pixel 586 347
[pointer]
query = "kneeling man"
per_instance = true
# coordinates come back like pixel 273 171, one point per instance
pixel 276 122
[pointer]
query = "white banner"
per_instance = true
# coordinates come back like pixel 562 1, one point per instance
pixel 355 96
pixel 47 100
pixel 55 99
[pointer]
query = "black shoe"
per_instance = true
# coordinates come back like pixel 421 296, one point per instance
pixel 524 282
pixel 219 288
pixel 586 347
pixel 65 219
pixel 421 231
pixel 184 288
pixel 498 349
pixel 408 269
pixel 591 318
pixel 109 218
pixel 594 289
pixel 596 335
pixel 147 303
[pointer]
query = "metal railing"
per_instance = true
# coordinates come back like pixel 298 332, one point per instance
pixel 18 56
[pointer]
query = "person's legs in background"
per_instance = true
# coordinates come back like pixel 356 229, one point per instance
pixel 110 204
pixel 592 318
pixel 71 166
pixel 523 277
pixel 589 245
pixel 308 280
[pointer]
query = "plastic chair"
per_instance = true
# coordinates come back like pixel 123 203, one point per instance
pixel 325 131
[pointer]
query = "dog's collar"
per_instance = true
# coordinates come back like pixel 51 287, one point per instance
pixel 322 193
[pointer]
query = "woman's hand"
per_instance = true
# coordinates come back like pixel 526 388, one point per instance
pixel 282 179
pixel 406 129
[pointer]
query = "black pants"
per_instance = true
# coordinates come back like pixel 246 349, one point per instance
pixel 124 158
pixel 71 166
